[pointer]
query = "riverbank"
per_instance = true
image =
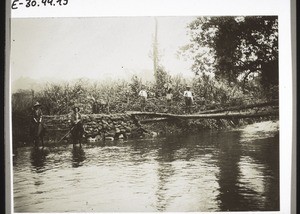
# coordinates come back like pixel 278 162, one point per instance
pixel 194 126
pixel 123 126
pixel 102 127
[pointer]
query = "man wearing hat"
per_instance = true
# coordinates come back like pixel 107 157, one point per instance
pixel 37 127
pixel 143 97
pixel 76 126
pixel 188 98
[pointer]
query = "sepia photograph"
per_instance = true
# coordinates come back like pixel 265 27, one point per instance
pixel 145 114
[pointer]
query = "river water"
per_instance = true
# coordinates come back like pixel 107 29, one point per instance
pixel 236 170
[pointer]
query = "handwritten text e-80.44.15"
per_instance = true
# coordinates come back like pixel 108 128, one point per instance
pixel 16 4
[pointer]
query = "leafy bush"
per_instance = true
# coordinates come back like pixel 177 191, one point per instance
pixel 121 96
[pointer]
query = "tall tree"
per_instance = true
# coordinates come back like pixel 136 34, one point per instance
pixel 160 74
pixel 155 53
pixel 235 48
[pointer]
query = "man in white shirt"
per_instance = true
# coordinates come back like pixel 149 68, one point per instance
pixel 169 96
pixel 143 96
pixel 188 98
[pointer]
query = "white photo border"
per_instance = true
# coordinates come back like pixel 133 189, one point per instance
pixel 104 8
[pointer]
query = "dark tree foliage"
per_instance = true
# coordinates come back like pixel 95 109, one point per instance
pixel 236 48
pixel 162 80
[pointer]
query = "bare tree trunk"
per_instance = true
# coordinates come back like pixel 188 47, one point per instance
pixel 209 116
pixel 237 108
pixel 155 53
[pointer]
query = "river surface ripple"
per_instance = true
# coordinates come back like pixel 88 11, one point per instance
pixel 235 170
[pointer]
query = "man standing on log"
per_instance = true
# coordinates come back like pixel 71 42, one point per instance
pixel 37 129
pixel 169 96
pixel 143 97
pixel 188 98
pixel 76 126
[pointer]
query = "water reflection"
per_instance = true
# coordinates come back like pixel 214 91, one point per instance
pixel 38 158
pixel 78 156
pixel 165 171
pixel 209 171
pixel 248 173
pixel 259 172
pixel 228 163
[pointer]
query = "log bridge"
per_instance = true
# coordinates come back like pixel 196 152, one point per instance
pixel 265 109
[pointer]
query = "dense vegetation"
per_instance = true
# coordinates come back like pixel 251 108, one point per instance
pixel 235 62
pixel 236 49
pixel 122 96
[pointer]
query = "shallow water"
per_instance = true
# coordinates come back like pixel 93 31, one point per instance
pixel 210 171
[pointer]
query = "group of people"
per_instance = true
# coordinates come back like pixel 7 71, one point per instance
pixel 37 127
pixel 187 94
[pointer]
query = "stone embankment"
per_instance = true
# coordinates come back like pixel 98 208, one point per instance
pixel 97 127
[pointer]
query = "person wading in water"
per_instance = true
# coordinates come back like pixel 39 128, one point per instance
pixel 76 126
pixel 37 129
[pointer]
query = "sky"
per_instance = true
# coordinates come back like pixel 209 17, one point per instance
pixel 95 48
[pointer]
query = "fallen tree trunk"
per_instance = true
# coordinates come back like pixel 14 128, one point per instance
pixel 237 108
pixel 154 120
pixel 208 116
